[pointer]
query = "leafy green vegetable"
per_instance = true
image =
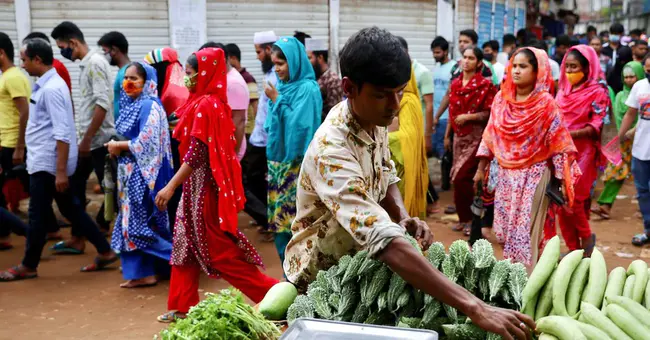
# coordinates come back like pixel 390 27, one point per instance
pixel 224 315
pixel 459 253
pixel 483 254
pixel 436 254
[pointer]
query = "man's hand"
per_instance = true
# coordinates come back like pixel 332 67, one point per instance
pixel 163 197
pixel 19 155
pixel 61 182
pixel 84 147
pixel 508 323
pixel 419 230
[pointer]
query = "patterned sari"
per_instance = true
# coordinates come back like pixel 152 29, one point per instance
pixel 141 233
pixel 291 123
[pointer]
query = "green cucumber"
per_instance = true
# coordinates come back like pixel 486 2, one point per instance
pixel 593 316
pixel 615 284
pixel 561 282
pixel 628 289
pixel 576 286
pixel 564 328
pixel 634 308
pixel 640 269
pixel 627 322
pixel 545 301
pixel 277 300
pixel 543 270
pixel 595 288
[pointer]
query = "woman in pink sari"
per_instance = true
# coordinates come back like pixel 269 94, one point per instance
pixel 583 99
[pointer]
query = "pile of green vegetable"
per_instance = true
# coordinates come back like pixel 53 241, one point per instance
pixel 224 315
pixel 567 298
pixel 363 290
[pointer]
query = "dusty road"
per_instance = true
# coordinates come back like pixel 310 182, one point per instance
pixel 64 303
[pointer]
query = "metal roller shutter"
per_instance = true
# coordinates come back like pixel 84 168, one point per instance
pixel 237 21
pixel 465 12
pixel 145 24
pixel 8 25
pixel 415 20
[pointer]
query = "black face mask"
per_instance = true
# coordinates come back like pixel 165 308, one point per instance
pixel 267 65
pixel 488 56
pixel 66 53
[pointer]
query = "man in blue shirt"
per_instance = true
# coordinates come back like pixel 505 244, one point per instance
pixel 51 159
pixel 441 81
pixel 116 52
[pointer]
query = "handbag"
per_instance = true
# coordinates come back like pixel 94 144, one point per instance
pixel 554 188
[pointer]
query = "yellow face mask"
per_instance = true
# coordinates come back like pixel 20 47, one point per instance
pixel 575 77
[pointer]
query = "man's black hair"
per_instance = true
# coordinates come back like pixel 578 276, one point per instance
pixel 7 46
pixel 114 39
pixel 574 41
pixel 640 42
pixel 538 44
pixel 493 44
pixel 402 41
pixel 216 45
pixel 603 34
pixel 591 29
pixel 616 28
pixel 636 31
pixel 471 34
pixel 563 40
pixel 440 42
pixel 67 30
pixel 38 47
pixel 233 51
pixel 324 54
pixel 509 39
pixel 34 35
pixel 375 56
pixel 301 36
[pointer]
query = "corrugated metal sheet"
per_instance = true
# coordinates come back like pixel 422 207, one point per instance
pixel 236 22
pixel 465 21
pixel 8 24
pixel 413 20
pixel 145 23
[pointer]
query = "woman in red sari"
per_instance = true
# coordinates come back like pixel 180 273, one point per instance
pixel 470 98
pixel 206 236
pixel 583 99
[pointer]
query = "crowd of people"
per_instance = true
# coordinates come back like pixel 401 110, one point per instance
pixel 324 165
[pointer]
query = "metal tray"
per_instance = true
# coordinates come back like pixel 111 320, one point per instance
pixel 315 329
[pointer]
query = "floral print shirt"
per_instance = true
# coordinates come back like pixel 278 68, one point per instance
pixel 344 177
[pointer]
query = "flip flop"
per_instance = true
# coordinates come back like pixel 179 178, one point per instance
pixel 99 264
pixel 17 276
pixel 450 210
pixel 169 317
pixel 60 248
pixel 600 212
pixel 640 240
pixel 144 285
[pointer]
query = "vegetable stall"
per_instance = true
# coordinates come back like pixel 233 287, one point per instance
pixel 571 298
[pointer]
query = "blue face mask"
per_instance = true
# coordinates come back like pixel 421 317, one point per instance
pixel 66 53
pixel 614 38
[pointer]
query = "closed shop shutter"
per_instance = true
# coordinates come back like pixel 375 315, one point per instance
pixel 145 23
pixel 466 10
pixel 415 20
pixel 8 25
pixel 231 21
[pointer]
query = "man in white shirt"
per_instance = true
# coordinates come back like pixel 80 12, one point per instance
pixel 638 103
pixel 490 50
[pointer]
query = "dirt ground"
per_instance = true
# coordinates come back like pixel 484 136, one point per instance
pixel 64 303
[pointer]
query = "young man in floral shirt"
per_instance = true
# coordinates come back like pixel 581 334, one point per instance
pixel 347 197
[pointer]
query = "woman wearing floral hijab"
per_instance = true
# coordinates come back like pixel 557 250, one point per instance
pixel 293 118
pixel 141 233
pixel 206 236
pixel 523 137
pixel 583 99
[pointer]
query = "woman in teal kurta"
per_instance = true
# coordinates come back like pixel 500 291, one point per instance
pixel 294 115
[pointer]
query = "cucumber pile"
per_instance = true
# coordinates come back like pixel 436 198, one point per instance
pixel 576 299
pixel 363 290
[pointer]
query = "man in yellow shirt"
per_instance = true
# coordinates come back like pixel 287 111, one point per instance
pixel 14 111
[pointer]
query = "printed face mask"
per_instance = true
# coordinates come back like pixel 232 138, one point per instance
pixel 131 88
pixel 190 81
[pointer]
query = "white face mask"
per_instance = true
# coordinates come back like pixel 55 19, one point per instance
pixel 108 57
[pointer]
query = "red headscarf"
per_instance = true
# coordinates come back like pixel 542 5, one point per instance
pixel 586 104
pixel 521 134
pixel 207 116
pixel 474 97
pixel 174 94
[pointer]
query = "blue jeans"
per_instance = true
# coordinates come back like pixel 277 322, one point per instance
pixel 641 172
pixel 438 138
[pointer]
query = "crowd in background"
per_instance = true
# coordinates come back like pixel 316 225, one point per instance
pixel 181 147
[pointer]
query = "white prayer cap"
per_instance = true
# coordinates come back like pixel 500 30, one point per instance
pixel 315 45
pixel 264 37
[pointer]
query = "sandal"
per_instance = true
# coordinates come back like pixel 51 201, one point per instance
pixel 99 264
pixel 16 275
pixel 60 248
pixel 170 317
pixel 640 240
pixel 458 227
pixel 450 210
pixel 600 212
pixel 5 246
